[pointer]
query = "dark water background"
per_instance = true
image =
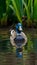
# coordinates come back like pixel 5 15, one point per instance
pixel 8 53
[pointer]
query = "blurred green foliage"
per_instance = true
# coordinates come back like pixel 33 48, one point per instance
pixel 35 9
pixel 2 7
pixel 14 10
pixel 17 7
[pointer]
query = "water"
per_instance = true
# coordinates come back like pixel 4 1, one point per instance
pixel 8 53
